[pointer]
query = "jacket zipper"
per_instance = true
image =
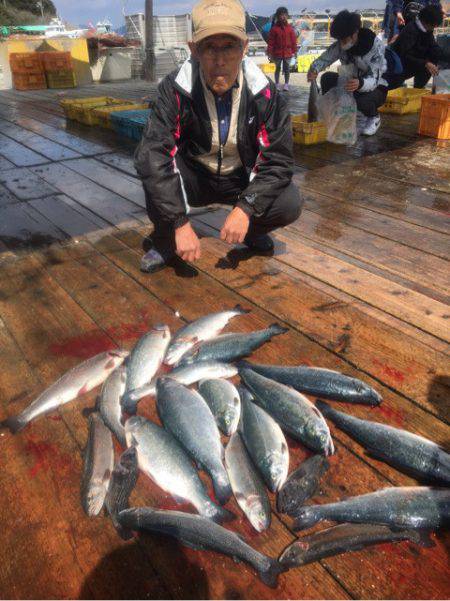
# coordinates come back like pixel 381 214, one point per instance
pixel 219 159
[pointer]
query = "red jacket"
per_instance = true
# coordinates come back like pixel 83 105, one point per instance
pixel 282 41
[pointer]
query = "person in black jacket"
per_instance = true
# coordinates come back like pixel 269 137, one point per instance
pixel 219 133
pixel 418 50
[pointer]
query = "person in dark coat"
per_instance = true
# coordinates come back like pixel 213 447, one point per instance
pixel 282 45
pixel 418 50
pixel 219 133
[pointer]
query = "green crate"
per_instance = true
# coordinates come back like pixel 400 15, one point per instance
pixel 63 78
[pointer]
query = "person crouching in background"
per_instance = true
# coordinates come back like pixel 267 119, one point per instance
pixel 361 48
pixel 282 45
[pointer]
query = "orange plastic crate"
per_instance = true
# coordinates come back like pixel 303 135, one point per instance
pixel 25 62
pixel 435 116
pixel 56 61
pixel 29 81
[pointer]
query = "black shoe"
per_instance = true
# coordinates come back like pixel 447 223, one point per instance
pixel 260 244
pixel 154 261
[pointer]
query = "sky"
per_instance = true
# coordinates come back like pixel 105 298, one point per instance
pixel 82 11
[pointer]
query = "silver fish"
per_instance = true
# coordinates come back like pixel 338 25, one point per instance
pixel 407 452
pixel 294 412
pixel 98 466
pixel 418 507
pixel 77 381
pixel 301 485
pixel 230 347
pixel 266 444
pixel 123 481
pixel 205 328
pixel 321 382
pixel 313 103
pixel 109 402
pixel 248 488
pixel 224 401
pixel 189 374
pixel 163 459
pixel 198 533
pixel 344 538
pixel 185 413
pixel 144 361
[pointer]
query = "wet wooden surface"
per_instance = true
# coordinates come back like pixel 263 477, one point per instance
pixel 361 280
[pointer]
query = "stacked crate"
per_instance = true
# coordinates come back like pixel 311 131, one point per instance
pixel 27 71
pixel 58 69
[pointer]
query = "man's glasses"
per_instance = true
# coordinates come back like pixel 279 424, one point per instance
pixel 228 52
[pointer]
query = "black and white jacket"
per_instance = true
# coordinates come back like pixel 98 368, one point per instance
pixel 367 56
pixel 180 125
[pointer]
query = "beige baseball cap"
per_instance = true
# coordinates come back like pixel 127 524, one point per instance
pixel 215 17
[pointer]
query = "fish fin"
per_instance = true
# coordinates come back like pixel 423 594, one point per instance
pixel 241 309
pixel 306 517
pixel 270 576
pixel 277 329
pixel 188 543
pixel 14 424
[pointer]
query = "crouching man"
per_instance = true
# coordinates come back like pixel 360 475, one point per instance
pixel 219 133
pixel 361 48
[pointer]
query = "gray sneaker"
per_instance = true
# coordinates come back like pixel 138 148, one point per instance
pixel 153 261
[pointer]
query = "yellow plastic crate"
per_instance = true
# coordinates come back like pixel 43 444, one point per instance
pixel 61 79
pixel 308 133
pixel 404 100
pixel 81 109
pixel 304 62
pixel 268 67
pixel 103 115
pixel 435 116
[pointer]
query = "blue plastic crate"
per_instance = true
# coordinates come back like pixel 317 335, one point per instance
pixel 130 123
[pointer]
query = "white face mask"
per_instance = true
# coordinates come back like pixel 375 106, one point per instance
pixel 348 46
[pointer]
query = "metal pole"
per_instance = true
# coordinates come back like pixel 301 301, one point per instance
pixel 149 67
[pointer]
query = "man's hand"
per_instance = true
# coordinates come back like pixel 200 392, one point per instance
pixel 187 243
pixel 235 226
pixel 352 85
pixel 311 75
pixel 432 68
pixel 400 19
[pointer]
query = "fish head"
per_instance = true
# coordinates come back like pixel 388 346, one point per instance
pixel 95 498
pixel 291 556
pixel 278 466
pixel 132 426
pixel 257 514
pixel 229 419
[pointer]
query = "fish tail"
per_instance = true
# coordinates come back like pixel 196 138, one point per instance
pixel 14 423
pixel 276 328
pixel 240 309
pixel 270 575
pixel 306 517
pixel 218 514
pixel 222 488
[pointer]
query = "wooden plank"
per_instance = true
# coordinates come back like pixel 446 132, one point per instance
pixel 111 207
pixel 390 257
pixel 5 164
pixel 426 208
pixel 25 184
pixel 23 227
pixel 6 197
pixel 88 286
pixel 48 148
pixel 108 177
pixel 437 244
pixel 69 217
pixel 121 162
pixel 18 154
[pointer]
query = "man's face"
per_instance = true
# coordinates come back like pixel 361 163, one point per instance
pixel 220 57
pixel 348 42
pixel 283 18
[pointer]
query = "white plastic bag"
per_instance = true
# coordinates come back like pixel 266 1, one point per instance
pixel 441 82
pixel 338 110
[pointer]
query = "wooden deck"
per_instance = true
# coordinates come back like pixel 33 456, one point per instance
pixel 362 281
